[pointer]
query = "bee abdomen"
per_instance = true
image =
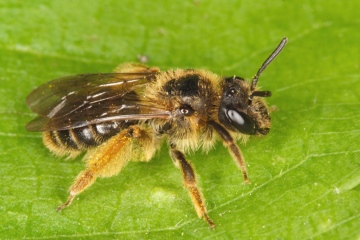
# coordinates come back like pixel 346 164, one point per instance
pixel 64 142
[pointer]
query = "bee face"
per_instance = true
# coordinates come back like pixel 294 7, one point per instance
pixel 239 112
pixel 123 116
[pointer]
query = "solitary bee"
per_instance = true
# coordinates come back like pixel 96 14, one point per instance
pixel 123 116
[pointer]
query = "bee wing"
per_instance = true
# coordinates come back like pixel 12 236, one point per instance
pixel 63 96
pixel 126 110
pixel 81 100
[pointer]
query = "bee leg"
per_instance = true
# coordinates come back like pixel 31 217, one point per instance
pixel 104 161
pixel 190 183
pixel 232 147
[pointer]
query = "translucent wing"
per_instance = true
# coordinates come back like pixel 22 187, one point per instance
pixel 62 96
pixel 80 100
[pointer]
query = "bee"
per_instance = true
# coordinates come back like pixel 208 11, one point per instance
pixel 125 116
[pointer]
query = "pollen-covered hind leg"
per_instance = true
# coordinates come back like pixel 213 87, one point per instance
pixel 190 183
pixel 108 159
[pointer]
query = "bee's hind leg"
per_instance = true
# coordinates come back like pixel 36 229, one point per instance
pixel 107 160
pixel 190 182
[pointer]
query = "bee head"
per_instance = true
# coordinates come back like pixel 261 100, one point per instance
pixel 238 111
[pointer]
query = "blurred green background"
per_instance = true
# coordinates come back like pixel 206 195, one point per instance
pixel 305 174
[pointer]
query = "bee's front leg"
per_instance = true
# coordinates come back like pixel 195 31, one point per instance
pixel 234 150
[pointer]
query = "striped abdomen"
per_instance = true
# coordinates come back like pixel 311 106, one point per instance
pixel 73 141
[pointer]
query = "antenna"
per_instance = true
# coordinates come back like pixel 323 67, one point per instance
pixel 267 62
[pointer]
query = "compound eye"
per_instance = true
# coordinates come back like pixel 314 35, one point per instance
pixel 241 121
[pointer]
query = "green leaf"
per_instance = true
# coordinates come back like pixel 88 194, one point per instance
pixel 305 174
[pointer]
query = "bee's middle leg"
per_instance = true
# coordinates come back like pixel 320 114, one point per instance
pixel 190 183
